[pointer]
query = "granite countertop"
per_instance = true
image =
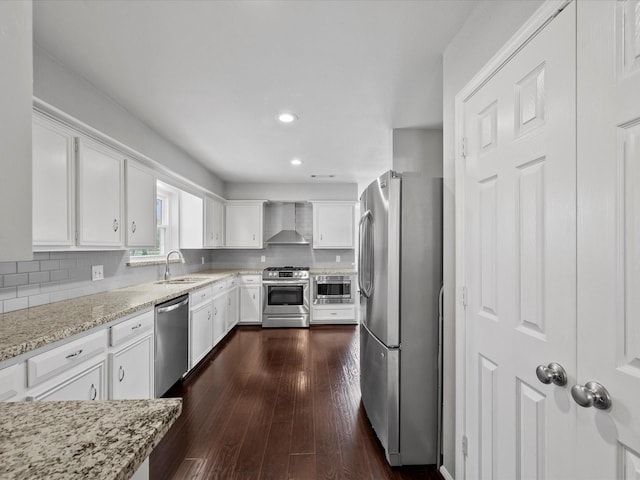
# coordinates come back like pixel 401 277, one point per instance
pixel 67 440
pixel 333 271
pixel 26 330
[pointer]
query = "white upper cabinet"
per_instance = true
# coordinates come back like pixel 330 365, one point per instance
pixel 213 222
pixel 100 195
pixel 140 186
pixel 53 183
pixel 191 220
pixel 333 225
pixel 243 222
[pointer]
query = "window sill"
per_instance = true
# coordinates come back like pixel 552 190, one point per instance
pixel 149 261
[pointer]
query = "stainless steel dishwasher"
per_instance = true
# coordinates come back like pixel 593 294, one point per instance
pixel 172 343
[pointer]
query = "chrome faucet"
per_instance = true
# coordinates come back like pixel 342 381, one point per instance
pixel 167 273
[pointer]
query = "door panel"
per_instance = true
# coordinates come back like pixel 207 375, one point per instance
pixel 520 214
pixel 609 235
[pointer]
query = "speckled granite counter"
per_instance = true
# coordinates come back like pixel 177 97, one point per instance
pixel 68 440
pixel 26 330
pixel 333 271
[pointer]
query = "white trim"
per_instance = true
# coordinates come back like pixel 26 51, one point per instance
pixel 445 473
pixel 531 27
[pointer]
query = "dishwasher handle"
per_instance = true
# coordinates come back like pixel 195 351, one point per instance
pixel 172 307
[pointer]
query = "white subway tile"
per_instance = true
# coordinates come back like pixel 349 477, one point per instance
pixel 49 265
pixel 28 267
pixel 59 275
pixel 8 293
pixel 41 256
pixel 28 290
pixel 16 304
pixel 8 267
pixel 41 299
pixel 38 277
pixel 16 279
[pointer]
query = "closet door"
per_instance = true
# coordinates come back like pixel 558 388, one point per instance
pixel 609 236
pixel 520 260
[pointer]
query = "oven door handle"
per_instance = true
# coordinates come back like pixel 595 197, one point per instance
pixel 286 284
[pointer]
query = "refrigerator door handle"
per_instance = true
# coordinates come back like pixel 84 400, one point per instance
pixel 365 255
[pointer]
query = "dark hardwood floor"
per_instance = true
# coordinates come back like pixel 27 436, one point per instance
pixel 276 404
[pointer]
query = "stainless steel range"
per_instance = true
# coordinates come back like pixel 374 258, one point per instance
pixel 286 297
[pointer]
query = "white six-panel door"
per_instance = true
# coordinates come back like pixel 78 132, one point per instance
pixel 520 259
pixel 609 235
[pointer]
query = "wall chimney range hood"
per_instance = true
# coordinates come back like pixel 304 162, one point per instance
pixel 281 218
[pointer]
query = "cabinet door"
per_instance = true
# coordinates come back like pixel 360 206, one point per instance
pixel 191 220
pixel 250 305
pixel 53 190
pixel 131 370
pixel 232 309
pixel 219 317
pixel 333 225
pixel 99 195
pixel 141 206
pixel 244 225
pixel 213 222
pixel 200 333
pixel 86 385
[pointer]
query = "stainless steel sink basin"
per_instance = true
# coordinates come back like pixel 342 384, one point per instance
pixel 180 281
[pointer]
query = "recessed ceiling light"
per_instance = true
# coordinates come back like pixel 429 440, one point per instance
pixel 287 117
pixel 296 161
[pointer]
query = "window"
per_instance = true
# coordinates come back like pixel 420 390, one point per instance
pixel 167 225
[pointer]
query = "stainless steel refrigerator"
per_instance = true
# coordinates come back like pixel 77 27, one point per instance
pixel 399 274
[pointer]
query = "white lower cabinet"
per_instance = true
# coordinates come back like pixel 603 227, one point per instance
pixel 232 307
pixel 334 314
pixel 200 332
pixel 250 304
pixel 131 370
pixel 86 384
pixel 219 316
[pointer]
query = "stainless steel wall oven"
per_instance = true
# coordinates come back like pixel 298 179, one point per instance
pixel 286 297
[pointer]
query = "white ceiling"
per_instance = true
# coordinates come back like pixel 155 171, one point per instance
pixel 211 76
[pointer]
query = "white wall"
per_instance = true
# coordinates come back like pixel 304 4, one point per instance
pixel 65 90
pixel 16 89
pixel 291 191
pixel 488 27
pixel 418 150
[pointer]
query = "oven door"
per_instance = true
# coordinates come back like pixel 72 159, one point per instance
pixel 285 298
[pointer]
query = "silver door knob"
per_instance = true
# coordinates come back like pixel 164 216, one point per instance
pixel 592 394
pixel 553 373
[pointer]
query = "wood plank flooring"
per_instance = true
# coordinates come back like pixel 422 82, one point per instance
pixel 276 404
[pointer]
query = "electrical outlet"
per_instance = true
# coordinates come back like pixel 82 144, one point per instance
pixel 263 259
pixel 337 258
pixel 97 272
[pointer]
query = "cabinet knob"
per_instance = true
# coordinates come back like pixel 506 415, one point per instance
pixel 592 394
pixel 553 373
pixel 115 225
pixel 93 392
pixel 133 227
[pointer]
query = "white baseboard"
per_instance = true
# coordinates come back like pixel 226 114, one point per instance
pixel 445 473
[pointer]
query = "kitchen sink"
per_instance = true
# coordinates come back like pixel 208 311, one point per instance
pixel 180 281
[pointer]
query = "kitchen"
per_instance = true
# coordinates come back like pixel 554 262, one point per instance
pixel 475 36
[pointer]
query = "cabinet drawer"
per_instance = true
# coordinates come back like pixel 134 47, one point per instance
pixel 131 328
pixel 338 313
pixel 198 296
pixel 250 279
pixel 48 364
pixel 86 385
pixel 219 287
pixel 11 381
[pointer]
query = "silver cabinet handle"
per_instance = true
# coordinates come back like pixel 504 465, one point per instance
pixel 120 374
pixel 209 314
pixel 135 327
pixel 254 236
pixel 553 373
pixel 133 227
pixel 592 394
pixel 115 225
pixel 74 354
pixel 215 311
pixel 93 392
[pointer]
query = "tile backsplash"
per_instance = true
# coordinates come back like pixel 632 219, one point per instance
pixel 55 276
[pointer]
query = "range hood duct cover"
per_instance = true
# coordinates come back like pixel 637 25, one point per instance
pixel 288 234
